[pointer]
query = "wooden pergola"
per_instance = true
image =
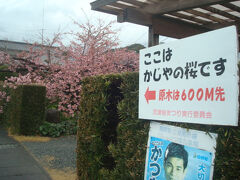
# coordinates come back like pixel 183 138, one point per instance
pixel 173 18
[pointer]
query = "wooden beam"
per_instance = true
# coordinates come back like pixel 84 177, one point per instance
pixel 204 15
pixel 161 25
pixel 167 6
pixel 100 3
pixel 174 28
pixel 135 16
pixel 191 18
pixel 136 3
pixel 110 10
pixel 231 6
pixel 222 13
pixel 122 6
pixel 214 26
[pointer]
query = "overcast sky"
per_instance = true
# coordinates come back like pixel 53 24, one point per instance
pixel 24 20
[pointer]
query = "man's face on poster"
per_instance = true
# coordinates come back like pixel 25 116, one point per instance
pixel 174 169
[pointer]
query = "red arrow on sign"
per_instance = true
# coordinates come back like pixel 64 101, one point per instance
pixel 150 95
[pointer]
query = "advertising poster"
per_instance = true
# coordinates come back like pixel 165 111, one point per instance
pixel 176 153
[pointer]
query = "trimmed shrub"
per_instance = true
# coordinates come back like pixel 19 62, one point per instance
pixel 128 148
pixel 26 110
pixel 6 74
pixel 97 125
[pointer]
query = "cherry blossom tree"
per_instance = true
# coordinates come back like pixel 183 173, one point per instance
pixel 92 51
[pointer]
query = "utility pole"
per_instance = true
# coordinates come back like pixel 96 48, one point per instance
pixel 43 22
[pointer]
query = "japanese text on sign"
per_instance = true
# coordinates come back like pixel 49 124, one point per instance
pixel 190 70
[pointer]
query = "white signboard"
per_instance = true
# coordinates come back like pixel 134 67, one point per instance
pixel 178 153
pixel 193 80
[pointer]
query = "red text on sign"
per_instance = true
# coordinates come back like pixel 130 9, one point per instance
pixel 200 94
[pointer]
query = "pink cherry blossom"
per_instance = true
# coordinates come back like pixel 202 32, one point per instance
pixel 92 51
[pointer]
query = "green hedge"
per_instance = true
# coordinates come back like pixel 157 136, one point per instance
pixel 126 149
pixel 6 74
pixel 130 150
pixel 26 111
pixel 97 125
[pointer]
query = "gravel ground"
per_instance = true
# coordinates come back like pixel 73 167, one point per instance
pixel 58 153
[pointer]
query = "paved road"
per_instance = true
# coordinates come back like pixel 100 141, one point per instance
pixel 62 150
pixel 16 163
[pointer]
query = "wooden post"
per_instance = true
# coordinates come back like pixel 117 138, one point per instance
pixel 153 39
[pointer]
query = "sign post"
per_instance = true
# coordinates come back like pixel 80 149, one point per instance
pixel 192 80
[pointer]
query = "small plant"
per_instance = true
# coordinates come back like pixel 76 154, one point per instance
pixel 68 127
